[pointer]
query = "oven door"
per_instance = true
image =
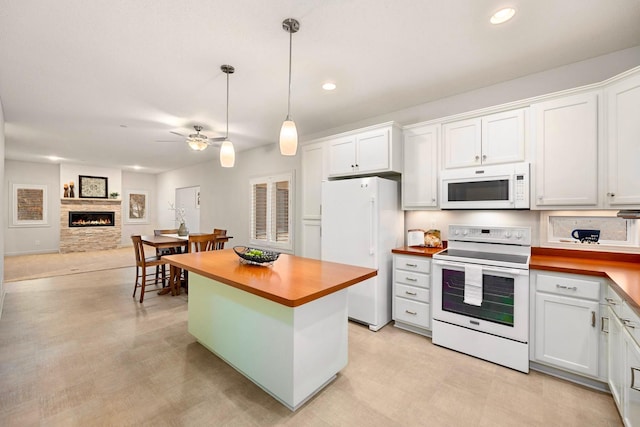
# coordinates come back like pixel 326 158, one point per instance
pixel 504 310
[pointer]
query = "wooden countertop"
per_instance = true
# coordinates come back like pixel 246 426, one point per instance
pixel 622 269
pixel 290 281
pixel 416 250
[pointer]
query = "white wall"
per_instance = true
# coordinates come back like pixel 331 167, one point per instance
pixel 2 213
pixel 41 239
pixel 71 172
pixel 134 181
pixel 225 194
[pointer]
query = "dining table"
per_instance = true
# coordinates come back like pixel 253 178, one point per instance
pixel 176 244
pixel 176 278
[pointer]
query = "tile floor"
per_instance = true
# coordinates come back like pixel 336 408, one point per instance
pixel 77 350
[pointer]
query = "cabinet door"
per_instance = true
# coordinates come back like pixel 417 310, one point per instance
pixel 623 124
pixel 342 155
pixel 503 137
pixel 615 355
pixel 631 413
pixel 312 176
pixel 311 239
pixel 420 176
pixel 372 151
pixel 566 159
pixel 462 143
pixel 566 333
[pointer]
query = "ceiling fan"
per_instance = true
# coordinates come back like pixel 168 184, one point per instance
pixel 198 141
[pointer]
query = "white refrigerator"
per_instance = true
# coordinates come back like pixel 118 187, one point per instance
pixel 361 223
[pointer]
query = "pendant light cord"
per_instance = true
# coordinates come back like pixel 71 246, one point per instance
pixel 227 136
pixel 289 99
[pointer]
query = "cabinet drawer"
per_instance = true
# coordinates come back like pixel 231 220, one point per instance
pixel 614 301
pixel 412 312
pixel 579 288
pixel 413 279
pixel 630 321
pixel 420 264
pixel 411 292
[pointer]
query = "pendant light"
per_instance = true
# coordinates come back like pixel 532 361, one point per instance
pixel 227 153
pixel 288 132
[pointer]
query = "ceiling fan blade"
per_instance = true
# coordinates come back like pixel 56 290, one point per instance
pixel 217 139
pixel 177 133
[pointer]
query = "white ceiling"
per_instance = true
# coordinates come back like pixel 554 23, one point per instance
pixel 74 72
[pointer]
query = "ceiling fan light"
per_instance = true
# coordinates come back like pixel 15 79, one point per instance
pixel 197 144
pixel 227 154
pixel 288 138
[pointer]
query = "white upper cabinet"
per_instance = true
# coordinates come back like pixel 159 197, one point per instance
pixel 493 139
pixel 623 143
pixel 565 136
pixel 367 151
pixel 312 175
pixel 420 176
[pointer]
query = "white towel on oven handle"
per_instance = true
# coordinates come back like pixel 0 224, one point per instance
pixel 473 284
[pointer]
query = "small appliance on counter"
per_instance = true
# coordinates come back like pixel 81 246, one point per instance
pixel 424 239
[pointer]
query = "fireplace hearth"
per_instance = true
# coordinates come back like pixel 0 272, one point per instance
pixel 91 219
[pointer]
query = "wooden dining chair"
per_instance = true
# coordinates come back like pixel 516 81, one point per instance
pixel 219 244
pixel 164 251
pixel 197 243
pixel 201 242
pixel 142 264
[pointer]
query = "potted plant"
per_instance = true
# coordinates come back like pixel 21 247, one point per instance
pixel 114 195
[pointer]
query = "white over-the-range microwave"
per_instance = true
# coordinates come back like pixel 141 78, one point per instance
pixel 486 187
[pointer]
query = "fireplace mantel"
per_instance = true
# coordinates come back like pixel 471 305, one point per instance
pixel 82 239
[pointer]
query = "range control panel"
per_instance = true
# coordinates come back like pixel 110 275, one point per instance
pixel 491 234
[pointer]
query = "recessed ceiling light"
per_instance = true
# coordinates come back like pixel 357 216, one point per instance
pixel 503 15
pixel 329 86
pixel 54 158
pixel 137 167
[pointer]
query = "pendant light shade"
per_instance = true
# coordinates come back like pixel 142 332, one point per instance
pixel 288 132
pixel 227 153
pixel 288 138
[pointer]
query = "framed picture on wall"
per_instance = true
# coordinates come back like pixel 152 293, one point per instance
pixel 29 205
pixel 137 207
pixel 93 187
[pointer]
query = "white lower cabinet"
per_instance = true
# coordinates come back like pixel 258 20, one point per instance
pixel 567 322
pixel 624 358
pixel 632 384
pixel 411 293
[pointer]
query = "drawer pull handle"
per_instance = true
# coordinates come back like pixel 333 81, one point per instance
pixel 569 288
pixel 627 323
pixel 411 279
pixel 633 379
pixel 602 329
pixel 611 301
pixel 593 319
pixel 411 265
pixel 413 313
pixel 411 293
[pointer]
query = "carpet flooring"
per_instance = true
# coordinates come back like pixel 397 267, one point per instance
pixel 36 266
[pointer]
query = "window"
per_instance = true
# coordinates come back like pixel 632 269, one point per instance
pixel 271 211
pixel 591 230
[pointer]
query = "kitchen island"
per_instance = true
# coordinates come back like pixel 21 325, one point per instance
pixel 282 326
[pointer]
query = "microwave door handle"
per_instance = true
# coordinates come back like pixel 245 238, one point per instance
pixel 512 188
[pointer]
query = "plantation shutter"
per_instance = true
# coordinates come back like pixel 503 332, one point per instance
pixel 259 229
pixel 281 216
pixel 271 211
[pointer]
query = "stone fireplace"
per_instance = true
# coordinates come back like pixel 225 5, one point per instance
pixel 89 224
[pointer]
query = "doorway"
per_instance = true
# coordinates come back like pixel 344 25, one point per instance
pixel 188 198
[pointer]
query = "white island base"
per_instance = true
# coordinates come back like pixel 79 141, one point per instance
pixel 289 352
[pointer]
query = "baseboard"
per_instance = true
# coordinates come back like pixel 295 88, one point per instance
pixel 568 376
pixel 43 251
